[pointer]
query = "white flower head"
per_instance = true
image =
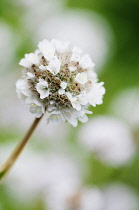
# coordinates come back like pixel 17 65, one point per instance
pixel 91 199
pixel 118 196
pixel 109 139
pixel 126 106
pixel 61 80
pixel 61 177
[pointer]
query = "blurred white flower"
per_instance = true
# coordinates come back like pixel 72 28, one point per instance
pixel 110 197
pixel 60 184
pixel 91 199
pixel 109 138
pixel 42 175
pixel 90 32
pixel 126 106
pixel 46 3
pixel 120 197
pixel 7 47
pixel 47 70
pixel 64 182
pixel 37 12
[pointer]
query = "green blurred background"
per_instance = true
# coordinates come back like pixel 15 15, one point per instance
pixel 119 71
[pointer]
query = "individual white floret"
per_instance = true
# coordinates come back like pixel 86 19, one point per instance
pixel 61 91
pixel 96 93
pixel 72 68
pixel 43 68
pixel 54 116
pixel 60 46
pixel 22 87
pixel 86 62
pixel 42 88
pixel 30 75
pixel 24 62
pixel 29 60
pixel 54 66
pixel 63 85
pixel 81 78
pixel 32 58
pixel 47 49
pixel 77 101
pixel 37 110
pixel 76 54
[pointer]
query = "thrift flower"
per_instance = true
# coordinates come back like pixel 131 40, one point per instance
pixel 59 80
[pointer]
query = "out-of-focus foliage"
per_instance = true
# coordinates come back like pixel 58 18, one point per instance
pixel 120 72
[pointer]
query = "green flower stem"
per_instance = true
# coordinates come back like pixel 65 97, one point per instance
pixel 5 168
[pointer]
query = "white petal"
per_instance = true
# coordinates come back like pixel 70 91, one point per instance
pixel 20 84
pixel 42 88
pixel 72 68
pixel 32 58
pixel 69 95
pixel 81 78
pixel 47 49
pixel 86 62
pixel 88 112
pixel 61 91
pixel 43 83
pixel 43 68
pixel 75 57
pixel 33 108
pixel 54 66
pixel 76 105
pixel 60 46
pixel 38 110
pixel 95 96
pixel 83 119
pixel 29 100
pixel 73 122
pixel 44 94
pixel 30 75
pixel 83 100
pixel 55 118
pixel 77 50
pixel 63 85
pixel 25 63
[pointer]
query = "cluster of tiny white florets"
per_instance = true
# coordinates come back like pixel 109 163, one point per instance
pixel 59 81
